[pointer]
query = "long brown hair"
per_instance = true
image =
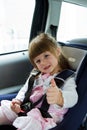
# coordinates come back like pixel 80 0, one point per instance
pixel 45 42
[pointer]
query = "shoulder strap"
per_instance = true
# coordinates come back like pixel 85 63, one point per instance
pixel 32 77
pixel 62 76
pixel 65 74
pixel 59 79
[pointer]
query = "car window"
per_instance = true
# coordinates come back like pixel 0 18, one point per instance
pixel 73 22
pixel 15 24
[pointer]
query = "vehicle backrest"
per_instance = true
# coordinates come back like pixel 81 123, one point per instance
pixel 76 114
pixel 74 55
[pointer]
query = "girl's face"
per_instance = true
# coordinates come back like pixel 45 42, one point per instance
pixel 46 62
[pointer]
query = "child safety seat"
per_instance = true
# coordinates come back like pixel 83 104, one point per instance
pixel 75 115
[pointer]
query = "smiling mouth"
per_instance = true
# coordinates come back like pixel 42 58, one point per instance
pixel 47 67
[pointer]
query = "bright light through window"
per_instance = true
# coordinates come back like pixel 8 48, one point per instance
pixel 73 22
pixel 15 24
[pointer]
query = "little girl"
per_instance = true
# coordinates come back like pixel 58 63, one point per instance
pixel 46 56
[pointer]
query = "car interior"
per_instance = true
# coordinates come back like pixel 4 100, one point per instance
pixel 15 67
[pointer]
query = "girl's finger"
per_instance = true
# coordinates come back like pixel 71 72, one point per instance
pixel 53 84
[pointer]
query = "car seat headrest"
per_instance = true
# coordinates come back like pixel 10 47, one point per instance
pixel 74 55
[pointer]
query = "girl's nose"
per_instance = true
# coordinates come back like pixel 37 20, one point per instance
pixel 43 62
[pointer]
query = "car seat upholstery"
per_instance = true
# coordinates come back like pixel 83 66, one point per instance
pixel 73 54
pixel 75 115
pixel 7 96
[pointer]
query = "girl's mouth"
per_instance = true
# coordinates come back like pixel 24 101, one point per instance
pixel 47 67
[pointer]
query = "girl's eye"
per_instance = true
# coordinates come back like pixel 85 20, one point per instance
pixel 46 55
pixel 38 61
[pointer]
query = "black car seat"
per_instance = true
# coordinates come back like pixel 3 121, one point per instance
pixel 75 115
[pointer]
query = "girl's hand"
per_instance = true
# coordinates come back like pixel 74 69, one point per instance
pixel 54 95
pixel 15 105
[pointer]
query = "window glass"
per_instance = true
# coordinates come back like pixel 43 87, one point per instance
pixel 15 24
pixel 73 22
